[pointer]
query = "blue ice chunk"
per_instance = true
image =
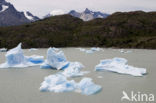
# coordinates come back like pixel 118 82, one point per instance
pixel 87 87
pixel 119 65
pixel 74 70
pixel 59 83
pixel 56 59
pixel 15 58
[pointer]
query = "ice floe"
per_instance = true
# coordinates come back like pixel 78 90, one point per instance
pixel 124 51
pixel 59 83
pixel 15 58
pixel 33 49
pixel 91 50
pixel 3 49
pixel 119 65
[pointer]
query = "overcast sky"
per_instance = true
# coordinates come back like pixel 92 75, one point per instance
pixel 42 7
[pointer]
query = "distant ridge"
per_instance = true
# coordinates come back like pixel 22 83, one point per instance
pixel 88 14
pixel 122 30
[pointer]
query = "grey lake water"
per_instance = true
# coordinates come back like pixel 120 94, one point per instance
pixel 22 85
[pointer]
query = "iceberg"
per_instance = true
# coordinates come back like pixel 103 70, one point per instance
pixel 3 50
pixel 55 59
pixel 58 83
pixel 119 65
pixel 74 70
pixel 16 58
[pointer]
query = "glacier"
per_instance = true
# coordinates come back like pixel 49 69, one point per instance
pixel 119 65
pixel 15 58
pixel 59 83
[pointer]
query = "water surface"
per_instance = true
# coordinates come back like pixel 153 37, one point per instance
pixel 22 85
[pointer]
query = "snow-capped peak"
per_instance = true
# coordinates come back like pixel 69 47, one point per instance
pixel 87 11
pixel 88 14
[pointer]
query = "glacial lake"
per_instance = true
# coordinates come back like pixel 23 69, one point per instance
pixel 22 85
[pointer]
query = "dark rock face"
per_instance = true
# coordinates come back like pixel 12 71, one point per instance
pixel 9 16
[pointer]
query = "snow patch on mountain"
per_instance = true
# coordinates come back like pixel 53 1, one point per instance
pixel 4 7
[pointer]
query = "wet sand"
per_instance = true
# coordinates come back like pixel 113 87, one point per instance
pixel 22 85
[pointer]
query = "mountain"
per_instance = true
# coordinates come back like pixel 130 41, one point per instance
pixel 9 16
pixel 88 14
pixel 122 29
pixel 54 13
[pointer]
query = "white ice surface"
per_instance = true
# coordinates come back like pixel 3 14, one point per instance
pixel 74 70
pixel 119 65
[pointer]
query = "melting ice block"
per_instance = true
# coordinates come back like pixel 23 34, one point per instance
pixel 59 83
pixel 3 49
pixel 74 70
pixel 16 58
pixel 119 65
pixel 55 59
pixel 87 87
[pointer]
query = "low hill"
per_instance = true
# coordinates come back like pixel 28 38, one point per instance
pixel 122 29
